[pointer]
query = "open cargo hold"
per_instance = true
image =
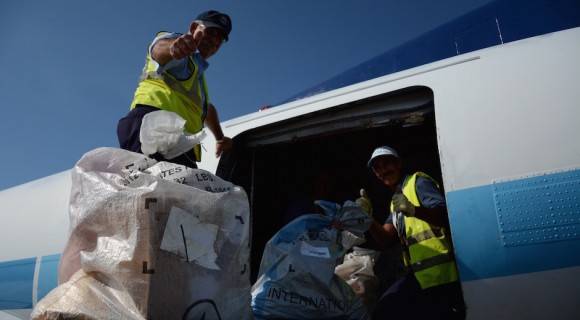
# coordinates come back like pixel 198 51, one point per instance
pixel 286 165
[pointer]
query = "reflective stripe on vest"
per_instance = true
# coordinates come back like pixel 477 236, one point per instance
pixel 188 98
pixel 425 235
pixel 428 247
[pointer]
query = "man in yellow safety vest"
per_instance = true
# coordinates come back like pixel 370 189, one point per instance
pixel 173 80
pixel 418 221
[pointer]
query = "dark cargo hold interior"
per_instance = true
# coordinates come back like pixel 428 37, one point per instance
pixel 323 155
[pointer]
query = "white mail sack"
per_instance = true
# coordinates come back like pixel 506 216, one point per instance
pixel 151 241
pixel 296 278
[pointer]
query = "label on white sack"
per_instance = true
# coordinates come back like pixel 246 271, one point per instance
pixel 196 178
pixel 309 250
pixel 191 239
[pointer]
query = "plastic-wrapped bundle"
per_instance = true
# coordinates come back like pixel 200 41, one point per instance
pixel 151 241
pixel 357 270
pixel 296 278
pixel 162 131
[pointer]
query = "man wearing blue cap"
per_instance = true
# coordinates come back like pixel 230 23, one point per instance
pixel 173 80
pixel 418 220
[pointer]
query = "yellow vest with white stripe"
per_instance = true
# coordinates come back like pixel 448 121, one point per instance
pixel 429 249
pixel 188 98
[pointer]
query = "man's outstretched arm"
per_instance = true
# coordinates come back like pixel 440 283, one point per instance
pixel 212 121
pixel 165 50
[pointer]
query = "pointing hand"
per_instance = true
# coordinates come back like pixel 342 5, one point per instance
pixel 187 44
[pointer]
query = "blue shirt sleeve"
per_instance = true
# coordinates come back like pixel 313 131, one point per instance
pixel 161 36
pixel 428 193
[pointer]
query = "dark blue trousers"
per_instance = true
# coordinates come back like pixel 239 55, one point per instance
pixel 406 300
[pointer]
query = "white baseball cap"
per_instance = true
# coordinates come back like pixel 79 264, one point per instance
pixel 380 152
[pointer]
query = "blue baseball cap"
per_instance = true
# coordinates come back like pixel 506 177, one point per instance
pixel 216 19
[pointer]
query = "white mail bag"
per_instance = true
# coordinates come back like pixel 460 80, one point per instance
pixel 151 240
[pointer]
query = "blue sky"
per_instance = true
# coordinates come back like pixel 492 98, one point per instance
pixel 69 67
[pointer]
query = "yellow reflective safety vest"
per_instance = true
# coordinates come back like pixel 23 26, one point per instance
pixel 186 97
pixel 429 249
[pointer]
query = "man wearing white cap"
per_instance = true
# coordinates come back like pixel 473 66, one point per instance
pixel 418 220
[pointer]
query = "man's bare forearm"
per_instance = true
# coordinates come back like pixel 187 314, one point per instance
pixel 160 51
pixel 213 123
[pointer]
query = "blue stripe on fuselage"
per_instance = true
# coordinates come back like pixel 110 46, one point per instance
pixel 549 221
pixel 48 275
pixel 17 279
